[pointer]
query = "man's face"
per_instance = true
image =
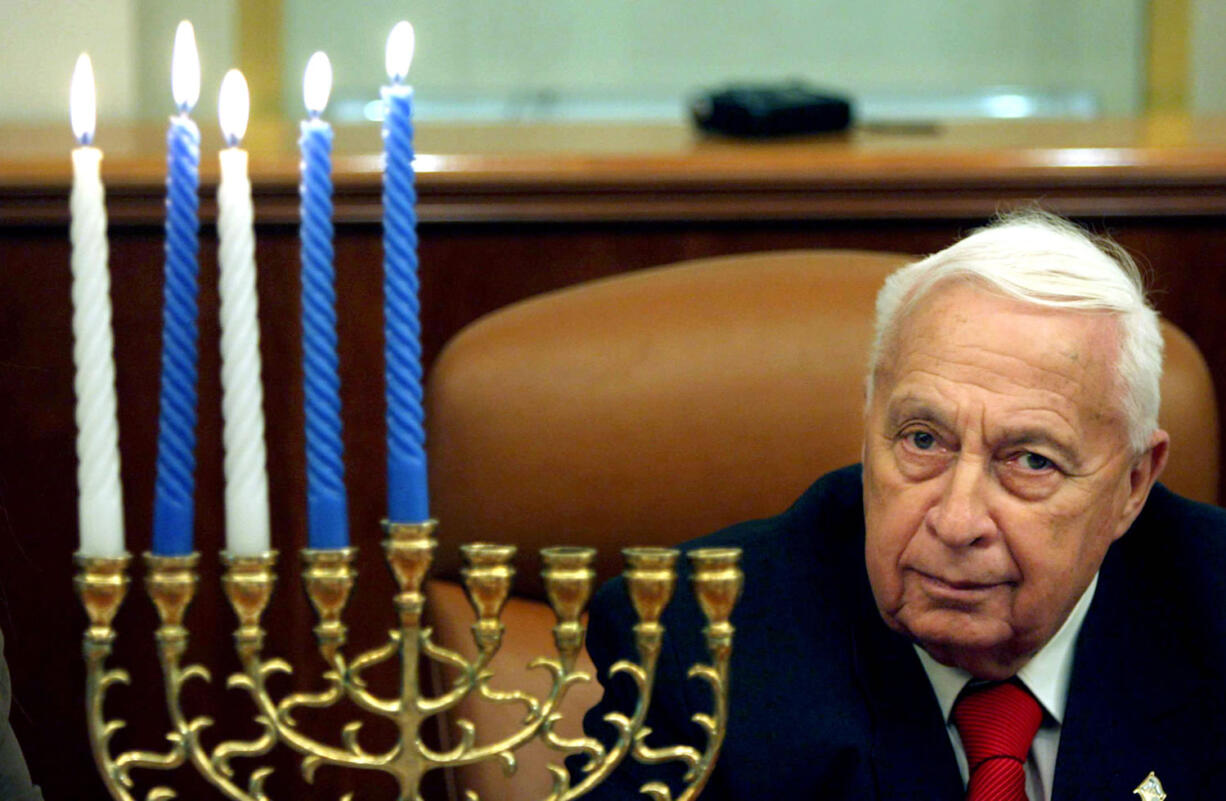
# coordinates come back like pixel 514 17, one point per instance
pixel 996 474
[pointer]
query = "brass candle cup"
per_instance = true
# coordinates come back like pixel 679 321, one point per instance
pixel 101 583
pixel 409 548
pixel 651 577
pixel 248 583
pixel 717 580
pixel 171 582
pixel 569 579
pixel 329 575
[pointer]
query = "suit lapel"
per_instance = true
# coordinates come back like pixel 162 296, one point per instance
pixel 912 757
pixel 1131 696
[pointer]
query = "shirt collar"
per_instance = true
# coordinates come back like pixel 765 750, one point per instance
pixel 1046 675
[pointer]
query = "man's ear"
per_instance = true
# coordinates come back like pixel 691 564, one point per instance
pixel 1141 478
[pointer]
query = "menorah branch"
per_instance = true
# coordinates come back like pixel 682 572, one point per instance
pixel 463 684
pixel 171 582
pixel 248 583
pixel 101 584
pixel 717 581
pixel 537 715
pixel 329 578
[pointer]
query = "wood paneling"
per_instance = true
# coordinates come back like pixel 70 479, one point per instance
pixel 506 213
pixel 1161 166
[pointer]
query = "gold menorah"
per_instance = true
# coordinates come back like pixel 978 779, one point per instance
pixel 329 577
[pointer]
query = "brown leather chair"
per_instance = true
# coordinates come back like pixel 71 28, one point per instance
pixel 660 405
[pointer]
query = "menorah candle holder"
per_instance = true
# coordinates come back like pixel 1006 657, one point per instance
pixel 329 577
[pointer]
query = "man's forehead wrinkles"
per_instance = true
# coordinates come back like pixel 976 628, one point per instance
pixel 1066 367
pixel 998 422
pixel 1069 396
pixel 922 385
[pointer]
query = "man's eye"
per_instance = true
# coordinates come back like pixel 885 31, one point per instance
pixel 922 440
pixel 1033 461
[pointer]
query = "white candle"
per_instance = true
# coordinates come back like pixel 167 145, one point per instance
pixel 100 496
pixel 242 398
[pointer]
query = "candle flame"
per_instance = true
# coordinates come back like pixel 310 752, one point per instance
pixel 82 105
pixel 317 83
pixel 400 44
pixel 185 68
pixel 233 107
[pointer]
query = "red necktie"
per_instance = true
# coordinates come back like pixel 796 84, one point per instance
pixel 997 724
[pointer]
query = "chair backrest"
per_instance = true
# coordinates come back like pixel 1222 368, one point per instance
pixel 663 404
pixel 660 405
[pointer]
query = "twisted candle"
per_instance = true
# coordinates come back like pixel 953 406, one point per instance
pixel 173 489
pixel 327 516
pixel 100 496
pixel 247 527
pixel 406 455
pixel 176 460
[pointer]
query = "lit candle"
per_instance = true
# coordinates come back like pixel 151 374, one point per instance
pixel 173 500
pixel 327 517
pixel 242 398
pixel 407 498
pixel 100 496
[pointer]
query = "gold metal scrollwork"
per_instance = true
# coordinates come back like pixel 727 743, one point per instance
pixel 329 577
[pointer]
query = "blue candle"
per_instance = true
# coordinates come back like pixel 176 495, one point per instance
pixel 407 498
pixel 327 517
pixel 176 461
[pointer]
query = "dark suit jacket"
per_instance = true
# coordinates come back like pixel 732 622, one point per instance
pixel 828 703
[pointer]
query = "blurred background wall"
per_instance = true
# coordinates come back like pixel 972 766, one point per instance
pixel 494 59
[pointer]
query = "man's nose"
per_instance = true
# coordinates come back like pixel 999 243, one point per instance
pixel 961 518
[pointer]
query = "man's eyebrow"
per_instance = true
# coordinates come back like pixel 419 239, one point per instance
pixel 913 407
pixel 1039 436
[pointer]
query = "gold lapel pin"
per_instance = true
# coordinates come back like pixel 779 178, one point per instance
pixel 1150 789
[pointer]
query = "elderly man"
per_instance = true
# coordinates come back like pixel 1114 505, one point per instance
pixel 999 604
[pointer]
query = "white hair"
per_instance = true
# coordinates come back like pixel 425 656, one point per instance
pixel 1041 259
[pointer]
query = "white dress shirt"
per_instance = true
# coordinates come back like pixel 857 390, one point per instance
pixel 1046 675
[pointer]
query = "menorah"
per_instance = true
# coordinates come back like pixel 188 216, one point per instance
pixel 329 577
